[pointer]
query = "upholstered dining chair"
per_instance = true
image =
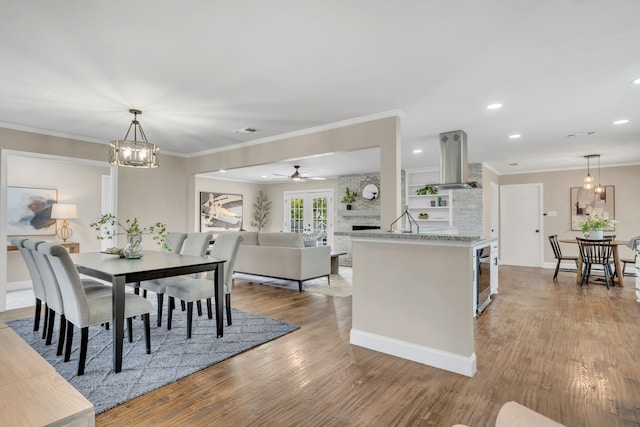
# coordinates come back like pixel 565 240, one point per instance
pixel 194 244
pixel 81 311
pixel 596 252
pixel 38 286
pixel 225 247
pixel 557 253
pixel 54 298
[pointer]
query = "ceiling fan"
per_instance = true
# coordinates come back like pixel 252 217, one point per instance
pixel 297 176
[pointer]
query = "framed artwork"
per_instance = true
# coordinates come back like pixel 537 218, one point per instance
pixel 29 211
pixel 583 201
pixel 220 212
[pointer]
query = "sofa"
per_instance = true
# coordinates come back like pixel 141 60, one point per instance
pixel 282 256
pixel 513 414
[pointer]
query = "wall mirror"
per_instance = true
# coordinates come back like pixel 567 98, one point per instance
pixel 370 192
pixel 583 201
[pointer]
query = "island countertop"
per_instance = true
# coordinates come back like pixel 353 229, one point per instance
pixel 433 235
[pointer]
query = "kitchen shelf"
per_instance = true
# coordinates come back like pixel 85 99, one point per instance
pixel 417 203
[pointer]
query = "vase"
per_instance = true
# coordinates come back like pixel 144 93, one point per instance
pixel 595 235
pixel 133 249
pixel 348 207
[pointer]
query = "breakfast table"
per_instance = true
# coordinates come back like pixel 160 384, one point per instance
pixel 617 279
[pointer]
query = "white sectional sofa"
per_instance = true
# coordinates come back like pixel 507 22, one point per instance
pixel 282 255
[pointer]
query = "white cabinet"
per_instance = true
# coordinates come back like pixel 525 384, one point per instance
pixel 437 207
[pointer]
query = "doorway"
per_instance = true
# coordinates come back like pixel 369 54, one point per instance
pixel 521 225
pixel 310 212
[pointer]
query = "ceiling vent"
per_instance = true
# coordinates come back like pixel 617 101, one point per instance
pixel 245 130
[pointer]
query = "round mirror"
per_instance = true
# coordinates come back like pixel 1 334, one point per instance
pixel 370 192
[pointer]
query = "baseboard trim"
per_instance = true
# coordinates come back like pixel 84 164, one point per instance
pixel 427 356
pixel 19 286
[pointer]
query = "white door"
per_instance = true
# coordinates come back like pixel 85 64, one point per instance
pixel 310 212
pixel 520 225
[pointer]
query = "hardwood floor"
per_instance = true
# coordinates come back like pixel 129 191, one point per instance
pixel 570 353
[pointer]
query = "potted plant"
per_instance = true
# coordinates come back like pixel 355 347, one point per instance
pixel 109 227
pixel 427 189
pixel 593 227
pixel 261 212
pixel 349 197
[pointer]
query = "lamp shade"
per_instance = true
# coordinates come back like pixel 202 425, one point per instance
pixel 64 211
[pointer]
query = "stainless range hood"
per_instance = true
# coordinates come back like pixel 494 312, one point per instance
pixel 454 169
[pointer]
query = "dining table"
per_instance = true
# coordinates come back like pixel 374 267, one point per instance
pixel 617 279
pixel 153 265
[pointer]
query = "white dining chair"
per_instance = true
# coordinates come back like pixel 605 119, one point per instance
pixel 226 248
pixel 81 311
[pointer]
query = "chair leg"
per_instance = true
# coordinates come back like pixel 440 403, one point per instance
pixel 36 315
pixel 67 350
pixel 50 322
pixel 184 307
pixel 84 339
pixel 63 329
pixel 160 302
pixel 147 332
pixel 45 322
pixel 130 328
pixel 555 274
pixel 300 285
pixel 189 318
pixel 607 274
pixel 209 310
pixel 227 302
pixel 171 305
pixel 199 305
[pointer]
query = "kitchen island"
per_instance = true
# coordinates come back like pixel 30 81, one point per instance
pixel 413 296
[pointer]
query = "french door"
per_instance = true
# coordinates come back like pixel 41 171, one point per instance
pixel 310 212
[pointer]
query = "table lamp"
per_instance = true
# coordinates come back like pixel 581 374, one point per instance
pixel 64 211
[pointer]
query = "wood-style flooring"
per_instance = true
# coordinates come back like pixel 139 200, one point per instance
pixel 568 352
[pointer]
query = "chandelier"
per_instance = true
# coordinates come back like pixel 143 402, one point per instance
pixel 588 179
pixel 134 154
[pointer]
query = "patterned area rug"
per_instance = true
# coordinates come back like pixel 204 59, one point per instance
pixel 340 283
pixel 172 355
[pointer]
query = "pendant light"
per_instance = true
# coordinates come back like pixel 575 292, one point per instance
pixel 588 179
pixel 600 188
pixel 134 154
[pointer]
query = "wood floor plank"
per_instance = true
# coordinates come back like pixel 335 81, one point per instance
pixel 569 352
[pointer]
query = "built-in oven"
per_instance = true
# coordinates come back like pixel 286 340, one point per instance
pixel 483 277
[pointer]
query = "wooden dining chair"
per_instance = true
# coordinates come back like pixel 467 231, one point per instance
pixel 557 253
pixel 596 252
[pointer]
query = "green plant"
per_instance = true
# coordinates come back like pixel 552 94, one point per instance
pixel 109 227
pixel 262 209
pixel 349 196
pixel 427 189
pixel 595 221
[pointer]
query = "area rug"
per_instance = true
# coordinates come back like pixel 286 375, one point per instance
pixel 340 283
pixel 172 356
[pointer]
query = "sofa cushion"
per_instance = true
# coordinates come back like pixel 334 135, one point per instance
pixel 283 240
pixel 250 238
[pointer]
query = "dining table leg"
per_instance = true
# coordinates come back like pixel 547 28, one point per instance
pixel 118 289
pixel 219 295
pixel 618 278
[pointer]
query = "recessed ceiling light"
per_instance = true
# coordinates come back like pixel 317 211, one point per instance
pixel 245 130
pixel 636 81
pixel 621 122
pixel 417 151
pixel 515 136
pixel 264 176
pixel 222 171
pixel 494 106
